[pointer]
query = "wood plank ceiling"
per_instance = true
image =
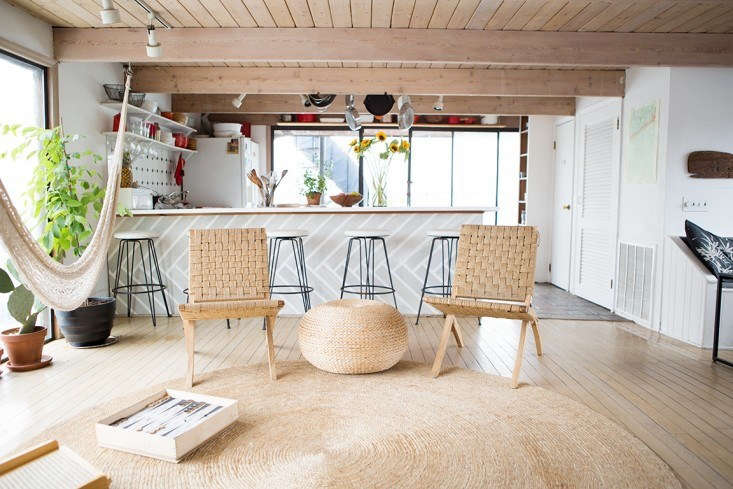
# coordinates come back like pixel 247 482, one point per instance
pixel 648 16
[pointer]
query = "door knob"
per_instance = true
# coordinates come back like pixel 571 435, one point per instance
pixel 566 207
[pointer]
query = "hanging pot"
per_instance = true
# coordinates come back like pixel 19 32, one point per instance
pixel 321 102
pixel 379 104
pixel 351 114
pixel 406 116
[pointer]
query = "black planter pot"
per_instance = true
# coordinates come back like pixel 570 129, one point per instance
pixel 90 325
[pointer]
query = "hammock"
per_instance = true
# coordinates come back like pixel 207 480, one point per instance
pixel 64 287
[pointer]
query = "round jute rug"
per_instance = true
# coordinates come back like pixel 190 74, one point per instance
pixel 395 429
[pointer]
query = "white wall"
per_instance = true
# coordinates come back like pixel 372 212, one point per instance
pixel 20 27
pixel 541 188
pixel 641 206
pixel 701 118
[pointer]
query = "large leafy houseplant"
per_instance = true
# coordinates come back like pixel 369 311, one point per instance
pixel 65 194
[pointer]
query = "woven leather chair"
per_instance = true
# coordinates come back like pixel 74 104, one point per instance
pixel 494 277
pixel 228 278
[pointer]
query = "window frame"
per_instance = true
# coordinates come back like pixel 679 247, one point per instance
pixel 360 135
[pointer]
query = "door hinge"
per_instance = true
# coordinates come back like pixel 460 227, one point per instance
pixel 554 145
pixel 550 266
pixel 611 283
pixel 618 123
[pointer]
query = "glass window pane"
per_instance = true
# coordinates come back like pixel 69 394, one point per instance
pixel 431 169
pixel 396 188
pixel 298 151
pixel 22 101
pixel 474 169
pixel 508 178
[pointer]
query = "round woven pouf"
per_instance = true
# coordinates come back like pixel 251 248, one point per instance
pixel 353 336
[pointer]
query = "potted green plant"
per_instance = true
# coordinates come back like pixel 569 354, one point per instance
pixel 313 186
pixel 24 343
pixel 66 195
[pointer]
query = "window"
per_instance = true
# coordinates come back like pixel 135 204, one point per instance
pixel 446 168
pixel 320 151
pixel 22 101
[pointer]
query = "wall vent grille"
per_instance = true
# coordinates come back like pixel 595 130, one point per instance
pixel 635 279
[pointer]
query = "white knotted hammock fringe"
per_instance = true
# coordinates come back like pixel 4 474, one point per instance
pixel 64 287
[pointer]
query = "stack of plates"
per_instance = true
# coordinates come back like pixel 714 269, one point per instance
pixel 227 130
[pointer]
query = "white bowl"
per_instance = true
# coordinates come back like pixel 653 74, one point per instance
pixel 227 127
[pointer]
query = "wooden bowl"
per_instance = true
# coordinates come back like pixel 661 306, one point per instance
pixel 346 200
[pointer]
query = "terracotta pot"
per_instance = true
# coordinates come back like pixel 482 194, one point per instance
pixel 89 325
pixel 24 349
pixel 314 198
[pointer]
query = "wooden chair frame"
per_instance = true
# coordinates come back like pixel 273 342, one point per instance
pixel 475 295
pixel 221 289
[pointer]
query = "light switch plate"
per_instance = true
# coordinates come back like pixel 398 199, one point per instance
pixel 694 205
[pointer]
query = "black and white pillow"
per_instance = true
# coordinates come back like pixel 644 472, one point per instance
pixel 715 252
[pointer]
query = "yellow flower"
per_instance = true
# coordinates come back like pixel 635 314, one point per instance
pixel 394 147
pixel 405 145
pixel 353 142
pixel 365 143
pixel 381 136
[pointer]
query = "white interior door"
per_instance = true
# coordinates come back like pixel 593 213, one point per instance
pixel 596 201
pixel 562 215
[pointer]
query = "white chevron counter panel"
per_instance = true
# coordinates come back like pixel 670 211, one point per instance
pixel 325 247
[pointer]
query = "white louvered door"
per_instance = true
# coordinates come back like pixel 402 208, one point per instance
pixel 596 191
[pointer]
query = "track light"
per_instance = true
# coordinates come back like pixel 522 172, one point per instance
pixel 109 14
pixel 438 105
pixel 155 50
pixel 237 101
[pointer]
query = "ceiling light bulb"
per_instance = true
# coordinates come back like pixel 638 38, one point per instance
pixel 237 101
pixel 438 105
pixel 155 50
pixel 109 14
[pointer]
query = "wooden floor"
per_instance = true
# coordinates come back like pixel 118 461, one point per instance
pixel 668 395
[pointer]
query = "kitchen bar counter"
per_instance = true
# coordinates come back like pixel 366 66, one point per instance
pixel 325 247
pixel 203 211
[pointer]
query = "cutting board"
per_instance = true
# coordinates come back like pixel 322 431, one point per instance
pixel 710 164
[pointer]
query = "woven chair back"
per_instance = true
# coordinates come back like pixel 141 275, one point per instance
pixel 495 262
pixel 227 264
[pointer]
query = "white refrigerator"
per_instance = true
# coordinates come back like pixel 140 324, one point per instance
pixel 216 176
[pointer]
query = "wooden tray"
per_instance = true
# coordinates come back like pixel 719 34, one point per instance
pixel 35 467
pixel 171 447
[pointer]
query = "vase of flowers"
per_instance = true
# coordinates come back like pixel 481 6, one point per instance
pixel 379 153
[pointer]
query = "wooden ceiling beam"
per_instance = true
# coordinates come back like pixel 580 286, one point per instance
pixel 428 81
pixel 291 104
pixel 192 45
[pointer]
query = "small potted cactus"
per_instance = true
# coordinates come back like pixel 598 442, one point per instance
pixel 24 344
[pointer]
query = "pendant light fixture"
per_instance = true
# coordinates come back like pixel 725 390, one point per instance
pixel 438 105
pixel 237 101
pixel 352 115
pixel 109 14
pixel 155 50
pixel 406 115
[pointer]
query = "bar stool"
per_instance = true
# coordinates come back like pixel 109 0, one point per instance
pixel 295 237
pixel 367 288
pixel 133 239
pixel 448 241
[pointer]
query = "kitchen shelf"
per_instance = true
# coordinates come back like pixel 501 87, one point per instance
pixel 392 125
pixel 149 116
pixel 152 142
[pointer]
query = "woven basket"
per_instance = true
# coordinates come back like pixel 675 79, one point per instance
pixel 353 336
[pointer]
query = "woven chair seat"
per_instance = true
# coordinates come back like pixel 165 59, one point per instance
pixel 474 307
pixel 231 309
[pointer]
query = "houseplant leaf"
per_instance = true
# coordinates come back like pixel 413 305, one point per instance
pixel 6 283
pixel 20 304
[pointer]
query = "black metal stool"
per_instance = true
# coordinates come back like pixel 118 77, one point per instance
pixel 133 239
pixel 448 240
pixel 295 238
pixel 367 288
